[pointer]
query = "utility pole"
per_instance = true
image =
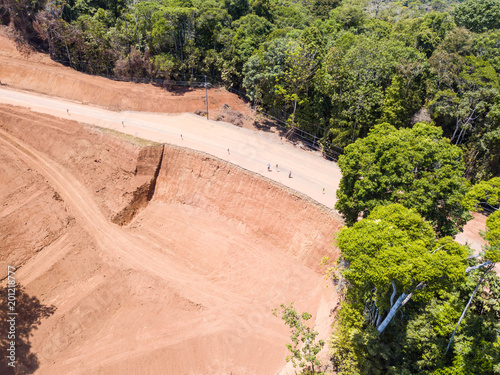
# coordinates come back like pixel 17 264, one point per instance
pixel 206 94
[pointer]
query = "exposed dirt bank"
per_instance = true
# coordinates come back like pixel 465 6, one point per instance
pixel 187 286
pixel 37 72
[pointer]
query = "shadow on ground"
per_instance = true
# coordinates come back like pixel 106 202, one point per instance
pixel 30 313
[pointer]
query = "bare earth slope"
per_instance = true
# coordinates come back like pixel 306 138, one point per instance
pixel 37 72
pixel 187 286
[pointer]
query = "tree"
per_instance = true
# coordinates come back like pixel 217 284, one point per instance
pixel 237 8
pixel 392 262
pixel 469 98
pixel 433 30
pixel 350 14
pixel 264 8
pixel 263 69
pixel 358 70
pixel 393 253
pixel 21 15
pixel 478 15
pixel 401 102
pixel 414 167
pixel 58 33
pixel 322 8
pixel 292 86
pixel 248 33
pixel 486 46
pixel 303 347
pixel 466 104
pixel 485 193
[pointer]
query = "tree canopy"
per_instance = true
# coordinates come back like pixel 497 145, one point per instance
pixel 415 167
pixel 404 292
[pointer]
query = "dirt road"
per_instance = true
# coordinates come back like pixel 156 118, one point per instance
pixel 249 149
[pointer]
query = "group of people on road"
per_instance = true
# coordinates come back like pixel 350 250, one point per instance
pixel 277 169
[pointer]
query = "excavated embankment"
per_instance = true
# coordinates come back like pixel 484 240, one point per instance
pixel 187 281
pixel 303 228
pixel 37 72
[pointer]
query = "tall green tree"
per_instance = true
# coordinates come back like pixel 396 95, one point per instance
pixel 466 103
pixel 392 262
pixel 391 254
pixel 390 323
pixel 478 15
pixel 358 70
pixel 415 167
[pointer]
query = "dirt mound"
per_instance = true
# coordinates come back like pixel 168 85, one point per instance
pixel 187 286
pixel 37 72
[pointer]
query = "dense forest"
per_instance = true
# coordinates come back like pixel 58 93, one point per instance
pixel 329 67
pixel 409 89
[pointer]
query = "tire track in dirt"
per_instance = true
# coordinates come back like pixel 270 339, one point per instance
pixel 118 244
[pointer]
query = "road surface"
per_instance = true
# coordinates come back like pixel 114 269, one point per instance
pixel 252 150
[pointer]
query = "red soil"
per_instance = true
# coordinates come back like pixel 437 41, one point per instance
pixel 170 267
pixel 187 286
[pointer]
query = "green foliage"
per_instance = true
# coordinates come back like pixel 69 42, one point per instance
pixel 414 167
pixel 457 41
pixel 433 30
pixel 478 15
pixel 322 8
pixel 237 8
pixel 357 73
pixel 303 347
pixel 350 14
pixel 393 249
pixel 387 254
pixel 487 47
pixel 400 103
pixel 487 192
pixel 493 232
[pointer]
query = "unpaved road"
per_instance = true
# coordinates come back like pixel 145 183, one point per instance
pixel 249 149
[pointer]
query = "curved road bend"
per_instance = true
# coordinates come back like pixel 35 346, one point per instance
pixel 252 150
